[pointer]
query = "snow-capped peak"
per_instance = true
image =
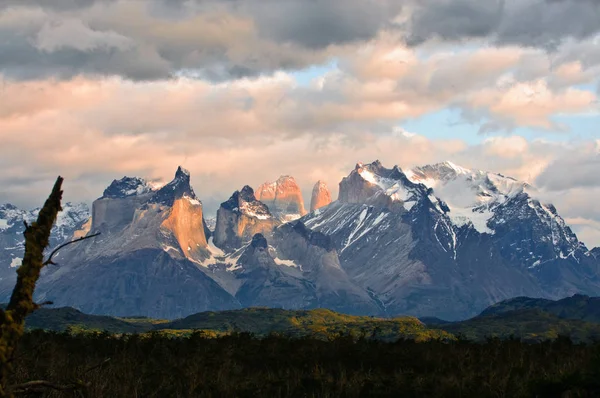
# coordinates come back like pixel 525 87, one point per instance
pixel 471 195
pixel 374 184
pixel 72 214
pixel 458 169
pixel 127 186
pixel 10 215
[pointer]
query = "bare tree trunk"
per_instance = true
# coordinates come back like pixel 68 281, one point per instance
pixel 12 320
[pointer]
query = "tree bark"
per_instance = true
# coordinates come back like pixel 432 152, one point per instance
pixel 12 320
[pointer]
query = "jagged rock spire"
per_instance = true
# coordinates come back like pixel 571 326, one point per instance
pixel 283 197
pixel 241 217
pixel 179 187
pixel 320 196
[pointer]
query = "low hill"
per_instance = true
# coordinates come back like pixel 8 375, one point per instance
pixel 59 319
pixel 578 306
pixel 323 322
pixel 529 324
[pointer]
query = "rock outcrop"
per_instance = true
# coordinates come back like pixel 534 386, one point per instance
pixel 283 198
pixel 321 196
pixel 146 260
pixel 240 218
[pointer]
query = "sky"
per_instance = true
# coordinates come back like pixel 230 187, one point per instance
pixel 241 92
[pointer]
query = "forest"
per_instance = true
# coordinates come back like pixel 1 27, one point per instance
pixel 101 364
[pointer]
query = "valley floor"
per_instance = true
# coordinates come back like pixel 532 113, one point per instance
pixel 240 365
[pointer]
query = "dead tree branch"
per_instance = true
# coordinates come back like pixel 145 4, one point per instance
pixel 12 320
pixel 55 251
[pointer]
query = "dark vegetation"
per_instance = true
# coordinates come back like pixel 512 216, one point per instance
pixel 240 365
pixel 528 323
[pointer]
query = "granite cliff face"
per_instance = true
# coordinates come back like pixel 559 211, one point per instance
pixel 146 260
pixel 283 198
pixel 321 196
pixel 240 218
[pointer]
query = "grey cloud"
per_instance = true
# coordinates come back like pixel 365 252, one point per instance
pixel 21 60
pixel 59 5
pixel 575 171
pixel 224 39
pixel 535 23
pixel 317 24
pixel 215 39
pixel 454 20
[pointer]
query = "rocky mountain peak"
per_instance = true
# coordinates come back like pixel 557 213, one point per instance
pixel 126 187
pixel 182 173
pixel 245 202
pixel 283 197
pixel 444 171
pixel 320 196
pixel 256 255
pixel 240 218
pixel 376 185
pixel 259 242
pixel 10 214
pixel 7 207
pixel 247 194
pixel 71 219
pixel 178 188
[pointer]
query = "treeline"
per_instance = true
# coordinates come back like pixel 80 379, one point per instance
pixel 241 365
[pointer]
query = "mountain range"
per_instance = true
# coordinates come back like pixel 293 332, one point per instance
pixel 434 241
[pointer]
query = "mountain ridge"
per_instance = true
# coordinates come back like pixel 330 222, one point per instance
pixel 435 241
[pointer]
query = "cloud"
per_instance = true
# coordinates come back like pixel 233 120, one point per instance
pixel 454 20
pixel 536 23
pixel 321 23
pixel 221 40
pixel 218 40
pixel 577 170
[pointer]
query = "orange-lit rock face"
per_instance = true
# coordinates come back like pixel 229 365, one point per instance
pixel 320 196
pixel 283 197
pixel 185 223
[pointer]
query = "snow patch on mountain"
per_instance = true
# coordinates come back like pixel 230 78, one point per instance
pixel 252 209
pixel 287 263
pixel 471 195
pixel 391 187
pixel 193 201
pixel 127 186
